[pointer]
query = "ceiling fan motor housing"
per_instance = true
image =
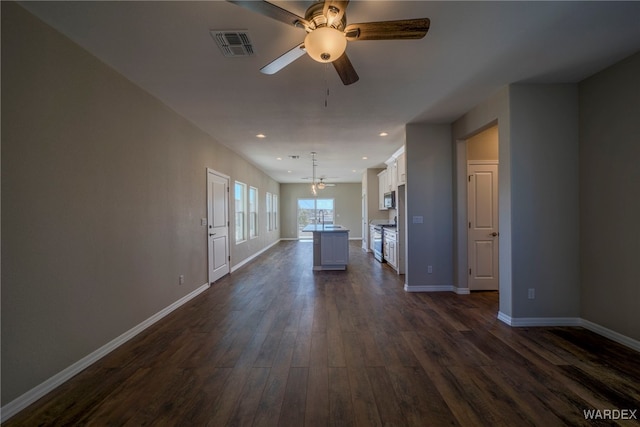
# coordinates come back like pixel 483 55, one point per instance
pixel 325 41
pixel 315 15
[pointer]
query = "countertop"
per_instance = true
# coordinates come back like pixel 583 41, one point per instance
pixel 326 228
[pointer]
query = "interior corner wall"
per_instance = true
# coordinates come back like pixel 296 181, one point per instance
pixel 495 110
pixel 610 197
pixel 429 209
pixel 103 191
pixel 544 200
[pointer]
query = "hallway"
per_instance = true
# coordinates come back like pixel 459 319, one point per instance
pixel 275 343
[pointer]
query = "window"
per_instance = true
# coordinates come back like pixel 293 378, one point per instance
pixel 241 211
pixel 314 211
pixel 269 211
pixel 274 207
pixel 253 212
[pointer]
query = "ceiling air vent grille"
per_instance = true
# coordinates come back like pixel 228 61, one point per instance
pixel 233 43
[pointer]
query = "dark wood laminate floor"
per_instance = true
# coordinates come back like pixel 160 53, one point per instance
pixel 278 344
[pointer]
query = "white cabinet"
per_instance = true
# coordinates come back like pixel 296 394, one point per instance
pixel 401 169
pixel 334 249
pixel 382 188
pixel 392 176
pixel 391 247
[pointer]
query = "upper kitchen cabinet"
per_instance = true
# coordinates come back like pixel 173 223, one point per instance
pixel 383 187
pixel 401 169
pixel 394 175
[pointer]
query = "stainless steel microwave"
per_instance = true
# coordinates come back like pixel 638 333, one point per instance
pixel 390 200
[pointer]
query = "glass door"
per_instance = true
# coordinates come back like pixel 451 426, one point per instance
pixel 314 211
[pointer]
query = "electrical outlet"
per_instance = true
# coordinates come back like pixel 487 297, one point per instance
pixel 181 279
pixel 430 269
pixel 532 293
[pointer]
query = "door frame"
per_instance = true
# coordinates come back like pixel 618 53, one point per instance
pixel 209 202
pixel 495 163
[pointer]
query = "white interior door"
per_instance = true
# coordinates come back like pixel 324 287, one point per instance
pixel 483 240
pixel 218 224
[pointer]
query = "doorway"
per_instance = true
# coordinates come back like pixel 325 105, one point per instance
pixel 218 224
pixel 314 211
pixel 483 241
pixel 482 215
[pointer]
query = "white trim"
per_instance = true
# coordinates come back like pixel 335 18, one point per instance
pixel 223 175
pixel 429 288
pixel 570 321
pixel 541 321
pixel 461 291
pixel 482 162
pixel 290 238
pixel 612 335
pixel 355 238
pixel 504 318
pixel 18 404
pixel 252 257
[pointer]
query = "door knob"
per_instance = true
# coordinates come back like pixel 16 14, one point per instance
pixel 212 234
pixel 494 234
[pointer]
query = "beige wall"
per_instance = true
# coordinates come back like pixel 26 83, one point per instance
pixel 544 200
pixel 103 190
pixel 610 197
pixel 429 195
pixel 348 205
pixel 494 110
pixel 484 145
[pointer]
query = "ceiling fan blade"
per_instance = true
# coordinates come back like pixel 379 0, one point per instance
pixel 345 70
pixel 272 11
pixel 388 30
pixel 334 10
pixel 283 60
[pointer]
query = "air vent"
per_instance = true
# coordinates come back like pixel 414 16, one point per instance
pixel 233 43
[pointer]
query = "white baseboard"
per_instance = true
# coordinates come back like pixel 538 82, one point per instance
pixel 539 321
pixel 428 288
pixel 570 321
pixel 612 335
pixel 18 404
pixel 254 256
pixel 461 291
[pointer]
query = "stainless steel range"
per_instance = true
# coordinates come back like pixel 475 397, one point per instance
pixel 377 243
pixel 378 240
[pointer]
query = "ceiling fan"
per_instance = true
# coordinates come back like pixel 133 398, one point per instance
pixel 325 22
pixel 322 185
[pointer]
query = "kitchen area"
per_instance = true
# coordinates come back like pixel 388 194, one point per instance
pixel 384 212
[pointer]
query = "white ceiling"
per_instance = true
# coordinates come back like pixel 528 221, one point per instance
pixel 471 51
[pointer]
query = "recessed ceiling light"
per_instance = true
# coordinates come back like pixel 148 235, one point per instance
pixel 288 171
pixel 261 135
pixel 383 134
pixel 364 158
pixel 354 171
pixel 278 158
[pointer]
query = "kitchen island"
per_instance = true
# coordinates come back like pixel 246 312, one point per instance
pixel 330 246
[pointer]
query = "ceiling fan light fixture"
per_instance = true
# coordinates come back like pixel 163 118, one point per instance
pixel 325 44
pixel 321 185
